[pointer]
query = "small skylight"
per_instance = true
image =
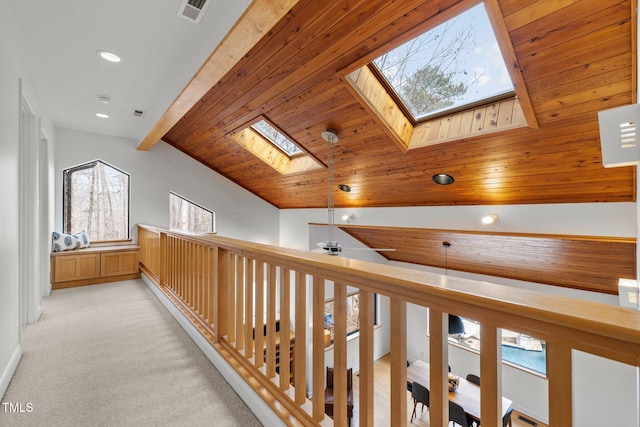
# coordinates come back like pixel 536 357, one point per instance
pixel 276 137
pixel 453 65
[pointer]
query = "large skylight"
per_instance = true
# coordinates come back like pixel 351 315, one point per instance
pixel 276 137
pixel 451 66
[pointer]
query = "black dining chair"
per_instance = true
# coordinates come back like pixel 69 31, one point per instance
pixel 420 394
pixel 506 420
pixel 458 416
pixel 473 379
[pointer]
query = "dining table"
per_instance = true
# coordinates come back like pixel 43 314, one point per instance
pixel 466 395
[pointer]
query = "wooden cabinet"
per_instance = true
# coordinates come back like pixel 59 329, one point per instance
pixel 118 263
pixel 77 267
pixel 96 264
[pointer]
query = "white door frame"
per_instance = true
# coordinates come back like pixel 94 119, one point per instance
pixel 45 225
pixel 29 251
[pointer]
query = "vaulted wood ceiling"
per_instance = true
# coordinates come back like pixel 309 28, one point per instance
pixel 575 57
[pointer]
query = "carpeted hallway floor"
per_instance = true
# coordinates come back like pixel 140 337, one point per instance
pixel 111 355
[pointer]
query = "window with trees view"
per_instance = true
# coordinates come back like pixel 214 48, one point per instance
pixel 456 64
pixel 96 199
pixel 188 216
pixel 353 314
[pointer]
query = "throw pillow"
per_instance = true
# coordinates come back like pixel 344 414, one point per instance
pixel 64 242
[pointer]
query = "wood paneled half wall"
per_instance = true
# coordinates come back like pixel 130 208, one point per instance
pixel 592 263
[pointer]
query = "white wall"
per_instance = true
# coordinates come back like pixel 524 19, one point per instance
pixel 14 68
pixel 529 392
pixel 155 173
pixel 594 219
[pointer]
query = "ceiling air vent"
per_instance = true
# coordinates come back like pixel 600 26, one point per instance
pixel 193 9
pixel 138 113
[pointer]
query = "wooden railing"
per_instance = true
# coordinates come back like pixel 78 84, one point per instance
pixel 219 282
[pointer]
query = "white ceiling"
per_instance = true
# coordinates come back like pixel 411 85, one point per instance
pixel 160 53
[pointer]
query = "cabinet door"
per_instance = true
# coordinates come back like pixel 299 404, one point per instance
pixel 77 267
pixel 119 263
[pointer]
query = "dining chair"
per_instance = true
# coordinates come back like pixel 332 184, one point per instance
pixel 506 420
pixel 420 394
pixel 473 378
pixel 458 415
pixel 328 394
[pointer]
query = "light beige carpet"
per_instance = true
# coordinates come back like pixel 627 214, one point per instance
pixel 111 355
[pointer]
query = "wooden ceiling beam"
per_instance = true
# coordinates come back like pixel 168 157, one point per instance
pixel 255 22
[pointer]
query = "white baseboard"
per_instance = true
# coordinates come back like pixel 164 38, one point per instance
pixel 9 370
pixel 260 409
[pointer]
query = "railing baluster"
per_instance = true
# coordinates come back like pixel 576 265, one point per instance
pixel 318 348
pixel 222 307
pixel 164 263
pixel 259 313
pixel 240 316
pixel 215 292
pixel 340 354
pixel 398 332
pixel 249 309
pixel 559 370
pixel 271 321
pixel 438 368
pixel 198 280
pixel 205 281
pixel 203 291
pixel 491 374
pixel 285 328
pixel 232 307
pixel 300 346
pixel 181 269
pixel 211 281
pixel 190 274
pixel 365 378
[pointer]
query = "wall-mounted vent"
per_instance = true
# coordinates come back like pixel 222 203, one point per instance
pixel 138 113
pixel 619 136
pixel 193 10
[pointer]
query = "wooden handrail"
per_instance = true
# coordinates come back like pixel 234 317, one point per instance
pixel 211 278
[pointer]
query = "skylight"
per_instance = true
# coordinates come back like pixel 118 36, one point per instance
pixel 453 65
pixel 276 137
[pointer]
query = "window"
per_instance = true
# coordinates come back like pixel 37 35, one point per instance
pixel 276 137
pixel 96 199
pixel 353 314
pixel 452 66
pixel 517 349
pixel 188 216
pixel 265 141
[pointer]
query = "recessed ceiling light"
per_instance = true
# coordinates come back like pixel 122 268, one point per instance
pixel 109 56
pixel 102 115
pixel 489 219
pixel 104 99
pixel 344 187
pixel 443 179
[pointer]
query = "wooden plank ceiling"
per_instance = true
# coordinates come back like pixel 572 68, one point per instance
pixel 576 58
pixel 581 262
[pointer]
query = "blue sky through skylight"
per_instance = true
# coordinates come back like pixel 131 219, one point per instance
pixel 460 62
pixel 276 137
